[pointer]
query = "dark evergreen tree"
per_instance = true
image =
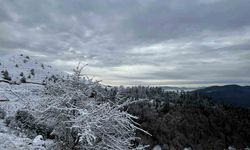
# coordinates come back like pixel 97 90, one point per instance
pixel 32 72
pixel 42 66
pixel 23 79
pixel 6 75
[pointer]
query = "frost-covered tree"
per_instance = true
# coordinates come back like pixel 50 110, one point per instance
pixel 83 121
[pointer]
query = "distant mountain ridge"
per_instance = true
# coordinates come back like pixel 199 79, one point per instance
pixel 234 95
pixel 173 88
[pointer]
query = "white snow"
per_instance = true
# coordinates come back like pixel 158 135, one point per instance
pixel 38 141
pixel 17 64
pixel 14 97
pixel 13 140
pixel 157 147
pixel 231 148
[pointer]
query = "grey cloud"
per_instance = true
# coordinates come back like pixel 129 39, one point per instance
pixel 201 40
pixel 174 19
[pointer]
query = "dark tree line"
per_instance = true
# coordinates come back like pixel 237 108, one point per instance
pixel 185 119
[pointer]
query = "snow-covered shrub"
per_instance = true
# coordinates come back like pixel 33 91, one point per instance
pixel 2 114
pixel 9 121
pixel 23 79
pixel 26 122
pixel 6 75
pixel 84 121
pixel 44 129
pixel 25 119
pixel 32 72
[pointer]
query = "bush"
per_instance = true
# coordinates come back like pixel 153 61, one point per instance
pixel 32 72
pixel 6 75
pixel 23 79
pixel 10 121
pixel 27 123
pixel 84 122
pixel 25 120
pixel 2 114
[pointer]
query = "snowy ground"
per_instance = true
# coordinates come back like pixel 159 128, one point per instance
pixel 13 140
pixel 14 97
pixel 18 63
pixel 18 97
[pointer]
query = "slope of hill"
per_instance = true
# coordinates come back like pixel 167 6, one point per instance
pixel 234 95
pixel 18 66
pixel 19 69
pixel 46 109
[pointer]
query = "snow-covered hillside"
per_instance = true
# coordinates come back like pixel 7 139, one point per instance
pixel 21 72
pixel 38 107
pixel 20 66
pixel 37 115
pixel 14 140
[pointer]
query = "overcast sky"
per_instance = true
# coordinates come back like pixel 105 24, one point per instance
pixel 134 42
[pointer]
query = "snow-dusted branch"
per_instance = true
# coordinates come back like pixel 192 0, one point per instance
pixel 85 118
